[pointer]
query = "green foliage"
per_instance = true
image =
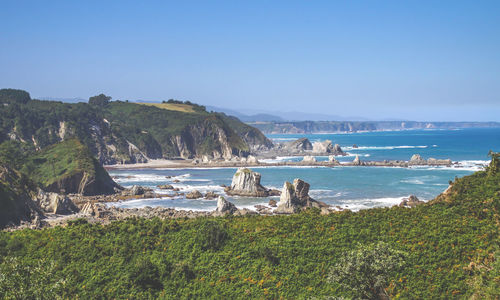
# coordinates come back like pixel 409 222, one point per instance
pixel 99 100
pixel 365 270
pixel 14 96
pixel 22 279
pixel 210 235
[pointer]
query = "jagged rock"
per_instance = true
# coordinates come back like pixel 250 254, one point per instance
pixel 210 195
pixel 417 159
pixel 55 203
pixel 273 203
pixel 354 146
pixel 165 187
pixel 357 161
pixel 176 181
pixel 299 145
pixel 309 159
pixel 323 147
pixel 194 195
pixel 295 197
pixel 225 207
pixel 337 150
pixel 433 161
pixel 411 201
pixel 136 190
pixel 332 160
pixel 247 183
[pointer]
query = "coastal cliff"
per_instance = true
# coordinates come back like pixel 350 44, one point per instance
pixel 120 132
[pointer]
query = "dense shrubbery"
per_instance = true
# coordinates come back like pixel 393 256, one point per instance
pixel 449 251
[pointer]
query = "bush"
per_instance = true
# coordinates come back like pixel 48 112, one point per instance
pixel 210 235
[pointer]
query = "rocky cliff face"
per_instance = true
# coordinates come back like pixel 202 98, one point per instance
pixel 247 183
pixel 16 205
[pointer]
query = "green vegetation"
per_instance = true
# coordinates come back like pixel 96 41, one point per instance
pixel 8 96
pixel 450 249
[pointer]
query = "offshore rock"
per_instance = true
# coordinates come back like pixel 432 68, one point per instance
pixel 224 207
pixel 357 161
pixel 332 160
pixel 309 159
pixel 194 195
pixel 295 197
pixel 247 183
pixel 323 147
pixel 300 145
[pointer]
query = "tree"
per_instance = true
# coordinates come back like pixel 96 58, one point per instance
pixel 365 270
pixel 14 96
pixel 99 100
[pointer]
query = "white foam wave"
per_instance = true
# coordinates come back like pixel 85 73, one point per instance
pixel 385 147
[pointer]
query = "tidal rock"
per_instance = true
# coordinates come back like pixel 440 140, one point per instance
pixel 165 187
pixel 332 160
pixel 274 192
pixel 323 147
pixel 309 159
pixel 416 159
pixel 295 197
pixel 136 190
pixel 272 203
pixel 357 161
pixel 194 195
pixel 225 207
pixel 247 183
pixel 210 195
pixel 337 150
pixel 411 201
pixel 354 146
pixel 55 203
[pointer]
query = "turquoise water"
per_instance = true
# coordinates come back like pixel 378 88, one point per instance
pixel 348 187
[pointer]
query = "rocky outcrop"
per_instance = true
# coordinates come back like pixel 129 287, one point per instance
pixel 411 201
pixel 55 203
pixel 295 197
pixel 299 145
pixel 326 147
pixel 246 183
pixel 416 160
pixel 333 160
pixel 225 207
pixel 194 195
pixel 357 161
pixel 210 195
pixel 165 187
pixel 309 159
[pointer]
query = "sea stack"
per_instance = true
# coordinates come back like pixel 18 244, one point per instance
pixel 246 183
pixel 295 197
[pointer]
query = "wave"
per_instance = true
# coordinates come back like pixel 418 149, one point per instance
pixel 384 147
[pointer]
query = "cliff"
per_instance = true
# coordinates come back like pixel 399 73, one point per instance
pixel 69 167
pixel 120 132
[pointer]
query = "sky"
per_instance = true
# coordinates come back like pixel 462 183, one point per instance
pixel 412 60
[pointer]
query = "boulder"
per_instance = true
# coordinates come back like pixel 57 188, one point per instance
pixel 295 197
pixel 337 150
pixel 411 201
pixel 225 207
pixel 210 195
pixel 354 146
pixel 55 203
pixel 136 190
pixel 194 195
pixel 272 203
pixel 165 187
pixel 309 159
pixel 332 160
pixel 247 183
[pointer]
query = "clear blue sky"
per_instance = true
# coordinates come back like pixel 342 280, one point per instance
pixel 419 60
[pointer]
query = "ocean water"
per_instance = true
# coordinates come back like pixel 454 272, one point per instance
pixel 348 187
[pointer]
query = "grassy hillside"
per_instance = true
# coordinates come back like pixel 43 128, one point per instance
pixel 172 106
pixel 447 250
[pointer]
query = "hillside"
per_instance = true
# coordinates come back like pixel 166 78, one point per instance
pixel 446 249
pixel 122 132
pixel 353 126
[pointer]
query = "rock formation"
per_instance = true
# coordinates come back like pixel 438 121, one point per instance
pixel 327 147
pixel 411 201
pixel 357 161
pixel 416 159
pixel 309 159
pixel 300 145
pixel 55 203
pixel 194 195
pixel 332 160
pixel 225 207
pixel 295 197
pixel 247 183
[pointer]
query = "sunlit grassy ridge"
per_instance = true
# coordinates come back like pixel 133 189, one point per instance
pixel 171 106
pixel 286 257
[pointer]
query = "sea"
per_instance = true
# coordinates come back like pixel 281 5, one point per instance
pixel 346 187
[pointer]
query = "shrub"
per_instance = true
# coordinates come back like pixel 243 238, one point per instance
pixel 210 235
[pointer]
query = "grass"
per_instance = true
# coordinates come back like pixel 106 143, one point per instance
pixel 186 108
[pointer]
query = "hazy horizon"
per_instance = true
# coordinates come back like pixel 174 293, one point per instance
pixel 422 61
